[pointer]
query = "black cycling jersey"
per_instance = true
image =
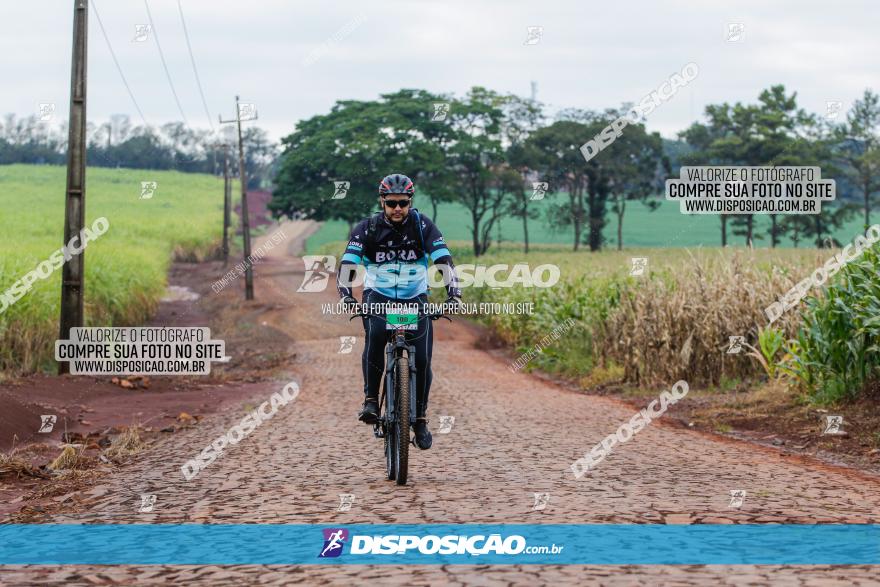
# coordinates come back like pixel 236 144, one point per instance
pixel 396 257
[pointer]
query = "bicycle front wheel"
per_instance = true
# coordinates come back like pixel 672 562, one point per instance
pixel 401 379
pixel 390 436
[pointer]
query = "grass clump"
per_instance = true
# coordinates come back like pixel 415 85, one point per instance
pixel 125 444
pixel 125 269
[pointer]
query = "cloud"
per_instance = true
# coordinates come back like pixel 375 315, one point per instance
pixel 590 56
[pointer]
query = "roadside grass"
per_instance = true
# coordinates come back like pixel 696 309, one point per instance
pixel 673 322
pixel 125 269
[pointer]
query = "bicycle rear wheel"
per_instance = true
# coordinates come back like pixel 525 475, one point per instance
pixel 401 378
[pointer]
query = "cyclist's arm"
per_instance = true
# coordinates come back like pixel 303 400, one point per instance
pixel 352 257
pixel 440 255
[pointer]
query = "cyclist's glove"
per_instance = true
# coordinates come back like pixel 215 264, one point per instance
pixel 349 303
pixel 453 304
pixel 450 279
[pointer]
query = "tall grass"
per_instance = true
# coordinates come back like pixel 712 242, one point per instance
pixel 678 324
pixel 125 269
pixel 837 351
pixel 675 322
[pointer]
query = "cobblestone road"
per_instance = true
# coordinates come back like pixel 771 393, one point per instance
pixel 514 435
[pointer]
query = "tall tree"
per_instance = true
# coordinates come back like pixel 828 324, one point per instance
pixel 858 146
pixel 796 226
pixel 775 131
pixel 554 152
pixel 522 117
pixel 345 145
pixel 260 156
pixel 521 204
pixel 421 138
pixel 473 154
pixel 701 137
pixel 637 170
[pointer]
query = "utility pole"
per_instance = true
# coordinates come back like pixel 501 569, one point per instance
pixel 227 201
pixel 245 222
pixel 75 206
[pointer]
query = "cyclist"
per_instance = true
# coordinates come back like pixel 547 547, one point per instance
pixel 395 245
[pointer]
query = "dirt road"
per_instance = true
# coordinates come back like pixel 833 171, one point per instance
pixel 513 436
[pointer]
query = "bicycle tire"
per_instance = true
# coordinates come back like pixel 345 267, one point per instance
pixel 390 448
pixel 401 377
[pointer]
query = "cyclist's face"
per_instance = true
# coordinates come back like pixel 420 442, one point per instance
pixel 396 206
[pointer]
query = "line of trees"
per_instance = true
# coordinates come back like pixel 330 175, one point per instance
pixel 486 150
pixel 776 132
pixel 118 143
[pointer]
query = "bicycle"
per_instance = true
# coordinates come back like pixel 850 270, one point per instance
pixel 397 410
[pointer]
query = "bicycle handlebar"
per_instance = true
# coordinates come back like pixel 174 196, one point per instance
pixel 429 315
pixel 434 316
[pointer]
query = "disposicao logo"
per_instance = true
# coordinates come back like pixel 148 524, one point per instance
pixel 334 539
pixel 432 544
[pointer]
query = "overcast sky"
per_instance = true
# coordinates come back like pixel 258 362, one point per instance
pixel 282 56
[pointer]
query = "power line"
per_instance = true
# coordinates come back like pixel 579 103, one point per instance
pixel 164 65
pixel 116 61
pixel 193 61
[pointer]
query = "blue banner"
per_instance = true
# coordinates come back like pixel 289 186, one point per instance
pixel 284 544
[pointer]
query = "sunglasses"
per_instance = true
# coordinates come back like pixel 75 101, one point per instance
pixel 396 203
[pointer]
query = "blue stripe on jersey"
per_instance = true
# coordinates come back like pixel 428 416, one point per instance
pixel 444 252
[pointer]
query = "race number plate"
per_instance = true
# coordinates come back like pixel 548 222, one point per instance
pixel 405 319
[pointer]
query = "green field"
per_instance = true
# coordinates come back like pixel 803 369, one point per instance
pixel 664 227
pixel 125 268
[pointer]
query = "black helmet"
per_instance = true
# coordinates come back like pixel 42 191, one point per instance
pixel 396 183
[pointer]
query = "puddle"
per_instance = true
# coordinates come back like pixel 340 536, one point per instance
pixel 176 293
